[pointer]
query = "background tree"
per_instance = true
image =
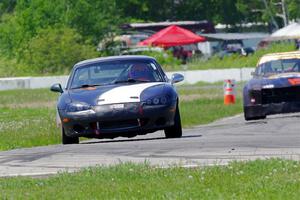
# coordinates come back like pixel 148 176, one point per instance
pixel 55 50
pixel 7 6
pixel 23 22
pixel 269 10
pixel 293 7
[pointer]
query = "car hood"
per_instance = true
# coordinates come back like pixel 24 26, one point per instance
pixel 111 94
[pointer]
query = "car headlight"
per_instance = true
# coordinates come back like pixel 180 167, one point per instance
pixel 163 100
pixel 78 107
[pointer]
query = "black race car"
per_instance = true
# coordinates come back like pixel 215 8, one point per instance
pixel 118 96
pixel 275 87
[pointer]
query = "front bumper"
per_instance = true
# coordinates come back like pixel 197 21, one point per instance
pixel 272 108
pixel 110 122
pixel 273 101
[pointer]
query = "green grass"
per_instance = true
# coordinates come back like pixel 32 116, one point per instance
pixel 26 97
pixel 27 119
pixel 27 127
pixel 28 116
pixel 203 103
pixel 269 179
pixel 203 111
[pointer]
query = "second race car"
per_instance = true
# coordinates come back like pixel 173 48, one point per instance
pixel 275 86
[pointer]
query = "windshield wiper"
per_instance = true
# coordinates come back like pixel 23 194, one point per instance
pixel 130 80
pixel 86 85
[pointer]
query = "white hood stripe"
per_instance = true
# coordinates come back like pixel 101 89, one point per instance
pixel 124 94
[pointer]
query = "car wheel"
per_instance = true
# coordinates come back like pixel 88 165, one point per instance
pixel 175 131
pixel 249 118
pixel 68 140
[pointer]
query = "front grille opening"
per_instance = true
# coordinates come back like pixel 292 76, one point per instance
pixel 279 95
pixel 119 124
pixel 160 121
pixel 78 128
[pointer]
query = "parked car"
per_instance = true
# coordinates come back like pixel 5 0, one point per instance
pixel 227 48
pixel 118 96
pixel 275 86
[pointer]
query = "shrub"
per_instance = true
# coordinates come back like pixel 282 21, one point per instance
pixel 7 67
pixel 55 50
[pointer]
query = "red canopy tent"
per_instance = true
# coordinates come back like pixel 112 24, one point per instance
pixel 172 36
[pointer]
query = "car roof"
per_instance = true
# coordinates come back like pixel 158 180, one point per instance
pixel 278 56
pixel 113 58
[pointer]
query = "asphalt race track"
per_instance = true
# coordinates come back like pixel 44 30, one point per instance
pixel 216 143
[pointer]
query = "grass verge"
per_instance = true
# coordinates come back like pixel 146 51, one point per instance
pixel 202 103
pixel 27 127
pixel 28 116
pixel 269 179
pixel 27 119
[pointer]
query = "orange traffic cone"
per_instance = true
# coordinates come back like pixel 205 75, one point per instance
pixel 229 93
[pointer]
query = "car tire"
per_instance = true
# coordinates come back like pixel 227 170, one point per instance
pixel 68 140
pixel 175 131
pixel 249 118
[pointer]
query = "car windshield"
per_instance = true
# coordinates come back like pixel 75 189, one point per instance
pixel 115 72
pixel 278 66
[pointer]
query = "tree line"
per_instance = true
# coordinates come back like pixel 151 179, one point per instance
pixel 50 36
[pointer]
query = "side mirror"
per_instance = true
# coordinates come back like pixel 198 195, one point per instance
pixel 177 78
pixel 56 88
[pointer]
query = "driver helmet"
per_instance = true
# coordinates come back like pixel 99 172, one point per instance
pixel 140 71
